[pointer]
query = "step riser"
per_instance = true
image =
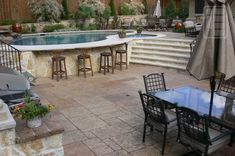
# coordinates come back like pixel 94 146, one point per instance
pixel 182 62
pixel 161 52
pixel 160 55
pixel 161 64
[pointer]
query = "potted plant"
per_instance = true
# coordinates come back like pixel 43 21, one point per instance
pixel 139 30
pixel 31 111
pixel 122 33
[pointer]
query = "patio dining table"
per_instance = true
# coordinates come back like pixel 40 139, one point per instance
pixel 197 99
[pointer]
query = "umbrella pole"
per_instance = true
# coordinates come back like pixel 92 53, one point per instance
pixel 212 85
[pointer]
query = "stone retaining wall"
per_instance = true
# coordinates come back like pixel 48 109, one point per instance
pixel 39 63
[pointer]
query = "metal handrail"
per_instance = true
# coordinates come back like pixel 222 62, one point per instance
pixel 10 56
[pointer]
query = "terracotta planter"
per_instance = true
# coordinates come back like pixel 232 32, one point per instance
pixel 16 27
pixel 35 122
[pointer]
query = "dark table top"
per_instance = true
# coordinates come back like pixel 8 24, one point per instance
pixel 199 100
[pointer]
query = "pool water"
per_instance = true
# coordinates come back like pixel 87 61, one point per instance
pixel 140 35
pixel 65 38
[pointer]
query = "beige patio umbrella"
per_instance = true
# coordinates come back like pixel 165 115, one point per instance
pixel 157 12
pixel 215 46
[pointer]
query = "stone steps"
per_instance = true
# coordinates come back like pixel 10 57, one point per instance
pixel 172 53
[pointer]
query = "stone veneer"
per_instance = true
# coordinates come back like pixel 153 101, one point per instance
pixel 39 63
pixel 18 140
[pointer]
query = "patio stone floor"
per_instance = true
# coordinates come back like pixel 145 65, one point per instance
pixel 102 115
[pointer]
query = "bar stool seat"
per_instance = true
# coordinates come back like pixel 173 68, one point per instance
pixel 106 64
pixel 59 67
pixel 84 68
pixel 121 52
pixel 84 56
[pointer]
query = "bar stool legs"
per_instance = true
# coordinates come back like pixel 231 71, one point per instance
pixel 84 69
pixel 121 62
pixel 106 62
pixel 58 63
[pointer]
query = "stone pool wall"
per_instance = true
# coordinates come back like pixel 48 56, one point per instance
pixel 18 140
pixel 39 63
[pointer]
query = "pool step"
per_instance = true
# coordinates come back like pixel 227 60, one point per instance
pixel 171 53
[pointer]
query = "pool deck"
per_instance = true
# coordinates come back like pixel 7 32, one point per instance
pixel 103 116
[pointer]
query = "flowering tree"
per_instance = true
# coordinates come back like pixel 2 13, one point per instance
pixel 46 10
pixel 133 7
pixel 96 5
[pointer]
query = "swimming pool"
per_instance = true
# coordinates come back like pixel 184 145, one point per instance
pixel 63 38
pixel 75 40
pixel 140 35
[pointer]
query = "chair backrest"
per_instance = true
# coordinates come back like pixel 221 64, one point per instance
pixel 227 86
pixel 154 82
pixel 153 108
pixel 191 124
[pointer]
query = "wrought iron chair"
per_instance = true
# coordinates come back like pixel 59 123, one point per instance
pixel 197 132
pixel 227 86
pixel 154 82
pixel 157 117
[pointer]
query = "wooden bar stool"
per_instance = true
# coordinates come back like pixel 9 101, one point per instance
pixel 106 62
pixel 59 67
pixel 121 62
pixel 84 69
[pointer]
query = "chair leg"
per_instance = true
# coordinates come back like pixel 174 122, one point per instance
pixel 105 65
pixel 60 69
pixel 126 61
pixel 78 67
pixel 52 72
pixel 91 67
pixel 65 70
pixel 121 61
pixel 115 60
pixel 144 132
pixel 108 63
pixel 100 64
pixel 84 66
pixel 57 70
pixel 164 139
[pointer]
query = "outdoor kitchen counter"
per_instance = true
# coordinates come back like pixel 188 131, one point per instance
pixel 48 128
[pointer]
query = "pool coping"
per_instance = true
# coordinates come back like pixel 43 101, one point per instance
pixel 111 40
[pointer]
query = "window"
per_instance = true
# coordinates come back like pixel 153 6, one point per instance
pixel 199 6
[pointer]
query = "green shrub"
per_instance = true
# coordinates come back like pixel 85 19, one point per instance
pixel 182 30
pixel 6 22
pixel 125 9
pixel 112 7
pixel 107 12
pixel 33 28
pixel 52 28
pixel 65 14
pixel 183 11
pixel 134 7
pixel 26 29
pixel 170 11
pixel 46 10
pixel 84 12
pixel 145 6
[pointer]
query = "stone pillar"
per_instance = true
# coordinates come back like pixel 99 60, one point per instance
pixel 7 130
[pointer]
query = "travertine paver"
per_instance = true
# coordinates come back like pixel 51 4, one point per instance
pixel 103 115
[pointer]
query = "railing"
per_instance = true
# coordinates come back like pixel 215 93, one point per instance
pixel 9 56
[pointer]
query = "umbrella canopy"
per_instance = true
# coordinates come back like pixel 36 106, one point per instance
pixel 215 46
pixel 157 11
